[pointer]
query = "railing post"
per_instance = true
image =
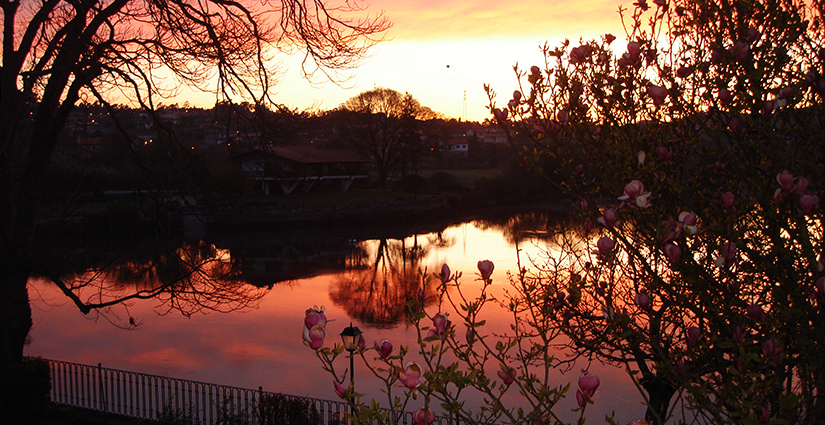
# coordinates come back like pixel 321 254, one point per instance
pixel 102 390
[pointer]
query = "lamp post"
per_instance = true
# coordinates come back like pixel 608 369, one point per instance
pixel 351 336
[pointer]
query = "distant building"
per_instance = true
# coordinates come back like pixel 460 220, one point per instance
pixel 288 168
pixel 458 146
pixel 491 135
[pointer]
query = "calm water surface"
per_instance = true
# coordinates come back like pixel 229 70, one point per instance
pixel 365 282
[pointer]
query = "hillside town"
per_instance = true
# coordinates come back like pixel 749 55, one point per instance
pixel 288 149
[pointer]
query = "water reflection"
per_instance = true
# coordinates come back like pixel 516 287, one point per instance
pixel 518 227
pixel 383 276
pixel 189 279
pixel 366 280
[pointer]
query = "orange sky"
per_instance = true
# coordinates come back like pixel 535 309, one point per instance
pixel 479 40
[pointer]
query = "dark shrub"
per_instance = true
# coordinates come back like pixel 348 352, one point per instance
pixel 443 181
pixel 413 183
pixel 280 409
pixel 27 397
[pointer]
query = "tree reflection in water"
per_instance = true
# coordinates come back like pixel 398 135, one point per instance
pixel 383 277
pixel 196 277
pixel 514 228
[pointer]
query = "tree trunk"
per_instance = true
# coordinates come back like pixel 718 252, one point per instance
pixel 15 324
pixel 659 392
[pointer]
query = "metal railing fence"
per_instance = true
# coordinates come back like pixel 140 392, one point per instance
pixel 180 401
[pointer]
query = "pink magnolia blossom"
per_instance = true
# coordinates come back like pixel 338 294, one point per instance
pixel 485 268
pixel 535 70
pixel 785 180
pixel 694 335
pixel 581 400
pixel 725 97
pixel 445 275
pixel 771 351
pixel 764 415
pixel 680 367
pixel 688 217
pixel 642 299
pixel 738 335
pixel 562 115
pixel 362 343
pixel 673 253
pixel 632 190
pixel 410 376
pixel 470 335
pixel 589 384
pixel 643 201
pixel 819 288
pixel 609 218
pixel 340 389
pixel 755 312
pixel 609 38
pixel 578 54
pixel 799 185
pixel 663 154
pixel 383 348
pixel 315 316
pixel 640 157
pixel 684 71
pixel 500 114
pixel 583 204
pixel 808 204
pixel 674 230
pixel 726 199
pixel 768 107
pixel 506 376
pixel 753 35
pixel 657 94
pixel 689 221
pixel 734 125
pixel 740 50
pixel 515 101
pixel 423 417
pixel 441 323
pixel 314 337
pixel 633 49
pixel 605 245
pixel 727 255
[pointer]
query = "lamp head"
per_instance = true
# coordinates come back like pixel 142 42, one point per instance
pixel 350 337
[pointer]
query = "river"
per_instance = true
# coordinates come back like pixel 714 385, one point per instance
pixel 362 280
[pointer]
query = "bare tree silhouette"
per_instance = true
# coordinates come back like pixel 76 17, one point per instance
pixel 57 53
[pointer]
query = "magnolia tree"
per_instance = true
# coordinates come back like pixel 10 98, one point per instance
pixel 696 152
pixel 695 260
pixel 450 361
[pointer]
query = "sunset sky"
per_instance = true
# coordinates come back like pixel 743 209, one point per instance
pixel 480 40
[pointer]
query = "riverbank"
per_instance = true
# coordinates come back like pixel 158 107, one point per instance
pixel 66 415
pixel 133 215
